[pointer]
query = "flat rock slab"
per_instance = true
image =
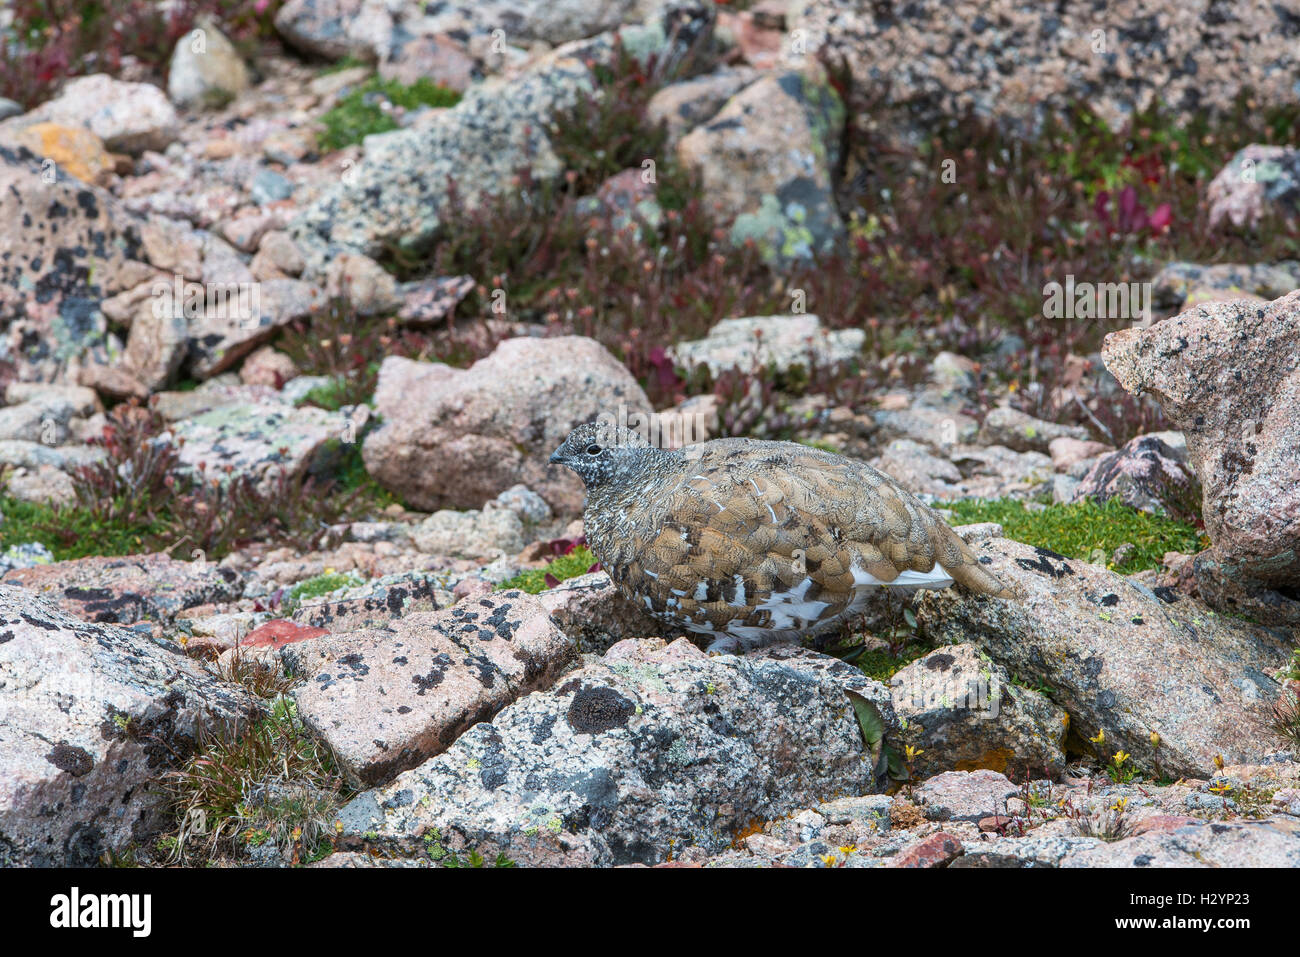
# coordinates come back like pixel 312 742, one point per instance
pixel 387 699
pixel 640 754
pixel 129 589
pixel 264 439
pixel 1270 843
pixel 1121 659
pixel 89 715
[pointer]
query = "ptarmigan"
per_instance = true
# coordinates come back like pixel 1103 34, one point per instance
pixel 754 542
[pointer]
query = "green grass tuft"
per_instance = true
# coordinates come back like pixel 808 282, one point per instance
pixel 1079 530
pixel 571 565
pixel 84 534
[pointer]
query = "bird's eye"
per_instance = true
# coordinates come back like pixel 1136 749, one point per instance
pixel 593 450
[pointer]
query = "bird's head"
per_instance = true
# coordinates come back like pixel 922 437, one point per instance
pixel 600 452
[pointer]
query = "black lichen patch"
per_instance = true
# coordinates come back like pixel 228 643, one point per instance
pixel 437 671
pixel 68 757
pixel 1165 594
pixel 939 662
pixel 596 710
pixel 1044 564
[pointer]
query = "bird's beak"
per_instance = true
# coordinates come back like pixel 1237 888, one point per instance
pixel 556 457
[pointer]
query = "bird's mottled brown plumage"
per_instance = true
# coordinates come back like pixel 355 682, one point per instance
pixel 752 542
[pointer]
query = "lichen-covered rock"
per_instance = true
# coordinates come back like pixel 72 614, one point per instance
pixel 385 700
pixel 781 342
pixel 595 614
pixel 127 117
pixel 631 760
pixel 1257 180
pixel 90 715
pixel 767 158
pixel 206 70
pixel 459 437
pixel 62 246
pixel 1228 375
pixel 1024 433
pixel 375 603
pixel 400 191
pixel 1270 843
pixel 263 439
pixel 685 105
pixel 1119 658
pixel 129 589
pixel 1181 285
pixel 1014 61
pixel 1147 474
pixel 962 713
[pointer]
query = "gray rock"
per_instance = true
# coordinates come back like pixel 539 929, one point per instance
pixel 263 439
pixel 460 437
pixel 129 589
pixel 1270 843
pixel 77 257
pixel 778 342
pixel 1014 62
pixel 963 713
pixel 591 611
pixel 1182 284
pixel 683 106
pixel 1024 433
pixel 205 69
pixel 376 603
pixel 1146 474
pixel 1228 375
pixel 128 117
pixel 524 502
pixel 1257 180
pixel 1119 659
pixel 90 716
pixel 387 700
pixel 399 192
pixel 767 157
pixel 473 534
pixel 964 795
pixel 631 760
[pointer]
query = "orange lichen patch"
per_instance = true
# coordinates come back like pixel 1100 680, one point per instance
pixel 749 830
pixel 76 151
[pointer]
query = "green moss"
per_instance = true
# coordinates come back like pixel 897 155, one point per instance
pixel 72 532
pixel 361 113
pixel 571 565
pixel 1081 530
pixel 318 586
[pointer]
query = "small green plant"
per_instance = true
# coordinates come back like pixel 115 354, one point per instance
pixel 368 109
pixel 323 584
pixel 1109 823
pixel 1121 768
pixel 1285 719
pixel 537 580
